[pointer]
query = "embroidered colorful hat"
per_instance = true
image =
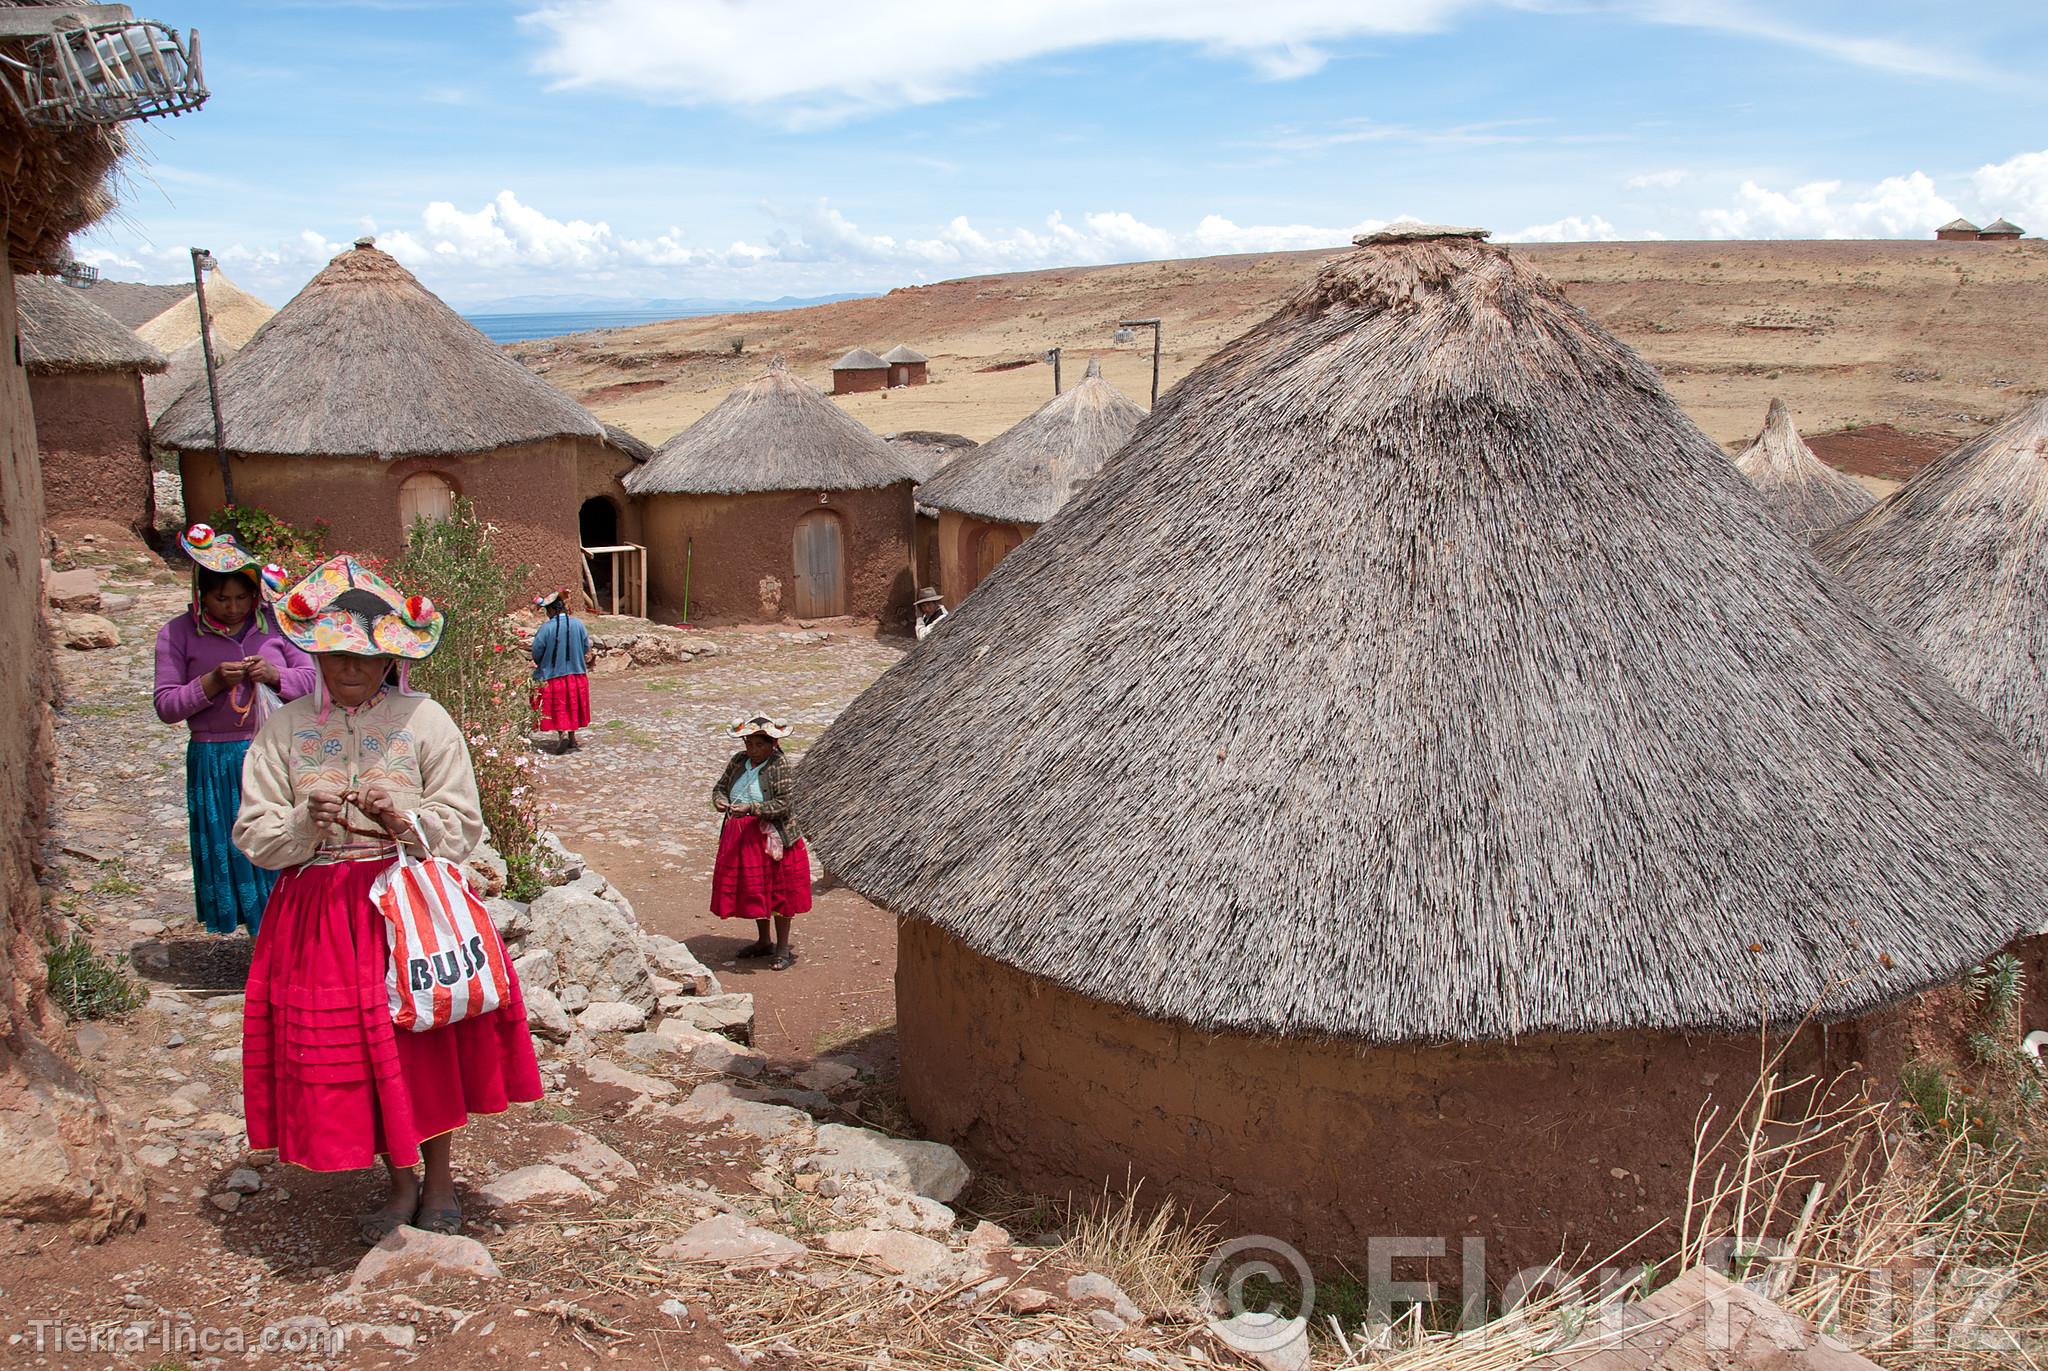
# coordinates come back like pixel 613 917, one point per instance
pixel 274 578
pixel 343 606
pixel 927 596
pixel 543 601
pixel 759 723
pixel 214 550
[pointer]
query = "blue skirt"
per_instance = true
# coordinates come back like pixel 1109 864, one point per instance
pixel 228 890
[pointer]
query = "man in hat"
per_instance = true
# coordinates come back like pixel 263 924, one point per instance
pixel 931 607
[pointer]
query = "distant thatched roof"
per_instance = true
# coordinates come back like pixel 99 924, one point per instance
pixel 1420 672
pixel 134 303
pixel 1801 491
pixel 187 369
pixel 903 352
pixel 232 315
pixel 2003 227
pixel 1958 226
pixel 367 361
pixel 776 432
pixel 860 359
pixel 62 331
pixel 926 453
pixel 1024 474
pixel 1958 557
pixel 52 183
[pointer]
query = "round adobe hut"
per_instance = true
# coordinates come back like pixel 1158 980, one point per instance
pixel 777 504
pixel 859 370
pixel 993 498
pixel 907 366
pixel 926 453
pixel 85 379
pixel 1391 796
pixel 366 403
pixel 1802 492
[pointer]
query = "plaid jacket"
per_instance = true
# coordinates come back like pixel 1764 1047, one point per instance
pixel 778 790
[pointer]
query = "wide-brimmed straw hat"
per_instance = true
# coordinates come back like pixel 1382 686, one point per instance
pixel 926 595
pixel 343 606
pixel 759 723
pixel 543 601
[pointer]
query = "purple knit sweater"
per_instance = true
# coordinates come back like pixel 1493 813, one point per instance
pixel 184 655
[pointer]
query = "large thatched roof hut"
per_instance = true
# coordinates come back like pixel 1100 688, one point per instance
pixel 366 403
pixel 85 380
pixel 995 497
pixel 777 503
pixel 1802 492
pixel 1391 795
pixel 1958 558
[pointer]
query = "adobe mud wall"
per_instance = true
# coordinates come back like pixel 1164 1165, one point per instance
pixel 853 382
pixel 1549 1144
pixel 64 1161
pixel 743 567
pixel 959 542
pixel 531 492
pixel 93 433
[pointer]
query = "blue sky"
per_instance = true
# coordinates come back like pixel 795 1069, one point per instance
pixel 746 150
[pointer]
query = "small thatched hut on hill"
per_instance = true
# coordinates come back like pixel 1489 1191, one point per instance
pixel 775 504
pixel 367 403
pixel 857 371
pixel 1802 492
pixel 1391 795
pixel 995 497
pixel 907 366
pixel 1958 558
pixel 85 379
pixel 2000 229
pixel 1957 231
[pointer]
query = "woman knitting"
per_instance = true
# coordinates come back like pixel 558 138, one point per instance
pixel 763 871
pixel 213 663
pixel 335 782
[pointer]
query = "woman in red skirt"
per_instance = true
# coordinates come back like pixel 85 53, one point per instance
pixel 334 782
pixel 763 871
pixel 561 671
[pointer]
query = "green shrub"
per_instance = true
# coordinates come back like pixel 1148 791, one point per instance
pixel 86 984
pixel 297 549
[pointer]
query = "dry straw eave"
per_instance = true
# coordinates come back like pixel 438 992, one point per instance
pixel 860 359
pixel 1024 474
pixel 1420 672
pixel 63 332
pixel 1802 492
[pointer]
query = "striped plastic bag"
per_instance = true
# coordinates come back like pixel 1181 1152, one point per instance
pixel 447 961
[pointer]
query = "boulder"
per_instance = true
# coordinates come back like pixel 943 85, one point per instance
pixel 717 1102
pixel 907 1254
pixel 731 1015
pixel 928 1168
pixel 611 1016
pixel 679 963
pixel 827 1075
pixel 595 1160
pixel 537 970
pixel 544 1183
pixel 77 590
pixel 1028 1299
pixel 85 632
pixel 545 1015
pixel 512 919
pixel 1266 1340
pixel 596 945
pixel 730 1241
pixel 1093 1288
pixel 65 1163
pixel 709 1051
pixel 412 1256
pixel 607 1072
pixel 880 1205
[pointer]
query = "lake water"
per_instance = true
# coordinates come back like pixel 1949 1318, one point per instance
pixel 514 328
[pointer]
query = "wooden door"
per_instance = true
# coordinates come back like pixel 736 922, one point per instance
pixel 995 544
pixel 820 567
pixel 424 495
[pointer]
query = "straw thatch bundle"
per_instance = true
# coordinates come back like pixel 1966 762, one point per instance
pixel 52 183
pixel 860 359
pixel 903 354
pixel 1958 558
pixel 1802 492
pixel 639 449
pixel 927 452
pixel 232 315
pixel 63 332
pixel 367 361
pixel 776 432
pixel 1420 672
pixel 1025 473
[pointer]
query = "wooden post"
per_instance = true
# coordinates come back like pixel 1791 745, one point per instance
pixel 220 451
pixel 1053 355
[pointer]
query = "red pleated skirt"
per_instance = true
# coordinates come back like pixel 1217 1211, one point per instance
pixel 746 885
pixel 326 1079
pixel 563 704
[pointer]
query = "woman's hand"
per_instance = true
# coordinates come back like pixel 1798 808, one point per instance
pixel 376 801
pixel 223 677
pixel 323 807
pixel 261 670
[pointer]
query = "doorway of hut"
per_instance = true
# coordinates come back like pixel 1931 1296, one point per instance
pixel 597 525
pixel 990 547
pixel 820 565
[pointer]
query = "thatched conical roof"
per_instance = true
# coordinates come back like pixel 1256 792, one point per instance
pixel 366 361
pixel 1802 492
pixel 2002 227
pixel 1420 672
pixel 776 432
pixel 232 316
pixel 1025 473
pixel 62 331
pixel 860 359
pixel 1958 226
pixel 926 452
pixel 904 352
pixel 1958 558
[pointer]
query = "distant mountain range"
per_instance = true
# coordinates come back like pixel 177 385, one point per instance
pixel 609 304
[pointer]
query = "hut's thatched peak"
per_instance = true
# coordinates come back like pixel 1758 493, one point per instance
pixel 62 331
pixel 1024 474
pixel 232 315
pixel 1802 492
pixel 904 353
pixel 1420 672
pixel 1958 557
pixel 2003 227
pixel 776 432
pixel 1957 226
pixel 860 359
pixel 1408 231
pixel 366 361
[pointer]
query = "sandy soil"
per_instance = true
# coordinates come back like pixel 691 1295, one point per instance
pixel 1929 337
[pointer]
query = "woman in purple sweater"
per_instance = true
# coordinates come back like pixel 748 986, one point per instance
pixel 212 663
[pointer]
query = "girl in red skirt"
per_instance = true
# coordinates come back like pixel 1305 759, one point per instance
pixel 561 671
pixel 333 783
pixel 763 871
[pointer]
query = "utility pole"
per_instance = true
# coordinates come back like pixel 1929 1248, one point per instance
pixel 202 262
pixel 1052 355
pixel 1123 334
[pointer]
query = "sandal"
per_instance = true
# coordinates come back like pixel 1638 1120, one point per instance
pixel 784 960
pixel 444 1221
pixel 372 1229
pixel 760 949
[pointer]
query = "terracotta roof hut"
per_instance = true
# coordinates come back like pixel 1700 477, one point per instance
pixel 366 403
pixel 1805 494
pixel 801 509
pixel 857 371
pixel 995 497
pixel 2000 227
pixel 907 366
pixel 1958 558
pixel 1957 231
pixel 85 380
pixel 1488 767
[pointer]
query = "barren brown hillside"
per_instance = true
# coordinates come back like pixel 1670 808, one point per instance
pixel 1931 338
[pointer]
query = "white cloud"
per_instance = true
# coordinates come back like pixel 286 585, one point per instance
pixel 1897 56
pixel 1896 207
pixel 1669 179
pixel 1570 229
pixel 2016 188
